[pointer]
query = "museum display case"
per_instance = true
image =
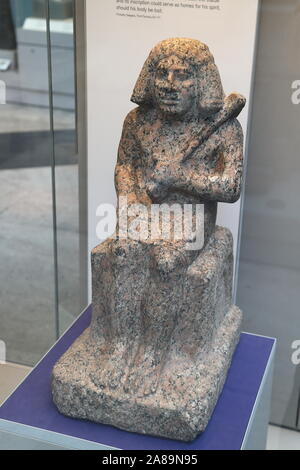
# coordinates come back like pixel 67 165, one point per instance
pixel 67 71
pixel 43 159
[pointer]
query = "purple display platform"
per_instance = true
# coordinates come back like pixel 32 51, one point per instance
pixel 31 403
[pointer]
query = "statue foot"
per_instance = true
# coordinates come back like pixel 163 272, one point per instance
pixel 142 384
pixel 113 374
pixel 144 378
pixel 111 367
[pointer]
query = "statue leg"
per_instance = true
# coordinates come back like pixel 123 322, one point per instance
pixel 188 295
pixel 207 300
pixel 160 308
pixel 120 275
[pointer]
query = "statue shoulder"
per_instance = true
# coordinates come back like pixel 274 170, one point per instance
pixel 235 125
pixel 138 117
pixel 130 118
pixel 232 129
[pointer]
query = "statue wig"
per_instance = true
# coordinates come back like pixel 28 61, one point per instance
pixel 210 90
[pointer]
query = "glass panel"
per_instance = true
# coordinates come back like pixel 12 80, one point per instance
pixel 66 151
pixel 27 320
pixel 269 275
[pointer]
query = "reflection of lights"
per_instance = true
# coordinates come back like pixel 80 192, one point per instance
pixel 5 64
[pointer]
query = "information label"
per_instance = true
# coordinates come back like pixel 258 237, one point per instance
pixel 154 9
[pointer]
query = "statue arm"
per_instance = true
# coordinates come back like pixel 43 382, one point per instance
pixel 126 181
pixel 224 185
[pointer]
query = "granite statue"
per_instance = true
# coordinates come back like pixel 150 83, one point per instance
pixel 164 327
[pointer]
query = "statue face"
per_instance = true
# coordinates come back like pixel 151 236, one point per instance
pixel 175 87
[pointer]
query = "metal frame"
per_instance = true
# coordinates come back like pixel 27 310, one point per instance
pixel 81 119
pixel 249 128
pixel 81 131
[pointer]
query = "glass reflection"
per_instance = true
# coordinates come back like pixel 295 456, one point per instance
pixel 66 160
pixel 27 323
pixel 39 173
pixel 269 275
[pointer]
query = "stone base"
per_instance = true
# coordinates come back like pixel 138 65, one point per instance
pixel 182 405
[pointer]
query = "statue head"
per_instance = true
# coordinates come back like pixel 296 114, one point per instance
pixel 180 76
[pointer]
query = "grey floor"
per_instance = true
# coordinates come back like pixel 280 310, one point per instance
pixel 27 296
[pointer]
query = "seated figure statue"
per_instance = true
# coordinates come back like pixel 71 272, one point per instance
pixel 164 329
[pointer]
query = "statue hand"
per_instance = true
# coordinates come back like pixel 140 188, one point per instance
pixel 157 189
pixel 160 183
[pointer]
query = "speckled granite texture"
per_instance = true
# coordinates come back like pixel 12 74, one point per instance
pixel 164 329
